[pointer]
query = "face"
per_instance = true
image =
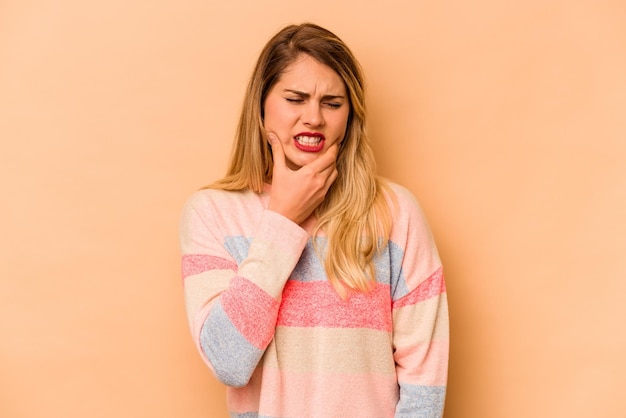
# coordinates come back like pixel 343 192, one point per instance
pixel 307 109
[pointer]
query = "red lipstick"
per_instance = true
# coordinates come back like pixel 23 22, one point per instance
pixel 309 141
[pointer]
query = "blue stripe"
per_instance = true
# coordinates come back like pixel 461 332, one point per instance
pixel 237 247
pixel 421 401
pixel 388 263
pixel 389 269
pixel 310 267
pixel 232 356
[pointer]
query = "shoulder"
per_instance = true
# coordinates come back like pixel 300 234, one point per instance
pixel 402 202
pixel 400 192
pixel 408 219
pixel 230 212
pixel 212 206
pixel 209 199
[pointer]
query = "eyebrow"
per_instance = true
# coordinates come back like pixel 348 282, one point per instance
pixel 307 95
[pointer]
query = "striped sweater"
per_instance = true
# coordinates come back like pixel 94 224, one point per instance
pixel 270 326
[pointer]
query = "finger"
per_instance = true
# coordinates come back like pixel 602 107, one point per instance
pixel 331 178
pixel 326 160
pixel 277 150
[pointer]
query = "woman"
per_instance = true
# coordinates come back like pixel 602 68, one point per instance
pixel 313 287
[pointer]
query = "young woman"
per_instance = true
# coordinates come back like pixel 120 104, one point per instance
pixel 313 287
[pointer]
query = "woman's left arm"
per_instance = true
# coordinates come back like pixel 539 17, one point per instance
pixel 420 316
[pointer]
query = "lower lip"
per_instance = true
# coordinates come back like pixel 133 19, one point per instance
pixel 310 148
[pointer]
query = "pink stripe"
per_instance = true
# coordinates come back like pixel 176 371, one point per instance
pixel 251 310
pixel 316 395
pixel 428 361
pixel 316 304
pixel 433 286
pixel 198 263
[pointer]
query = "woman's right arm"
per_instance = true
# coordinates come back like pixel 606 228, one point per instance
pixel 232 309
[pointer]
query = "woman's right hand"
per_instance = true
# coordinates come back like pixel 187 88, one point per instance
pixel 296 193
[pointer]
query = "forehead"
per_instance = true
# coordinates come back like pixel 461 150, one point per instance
pixel 308 75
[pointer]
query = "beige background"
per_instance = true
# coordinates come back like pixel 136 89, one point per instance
pixel 506 119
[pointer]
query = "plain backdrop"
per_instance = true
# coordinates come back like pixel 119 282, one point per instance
pixel 505 118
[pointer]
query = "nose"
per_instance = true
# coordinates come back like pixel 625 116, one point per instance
pixel 312 114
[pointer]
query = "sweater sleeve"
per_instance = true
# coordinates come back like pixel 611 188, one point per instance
pixel 232 307
pixel 420 316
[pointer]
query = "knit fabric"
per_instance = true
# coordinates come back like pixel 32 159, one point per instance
pixel 270 326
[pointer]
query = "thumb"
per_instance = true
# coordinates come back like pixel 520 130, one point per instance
pixel 277 149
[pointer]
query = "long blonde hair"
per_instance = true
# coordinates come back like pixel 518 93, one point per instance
pixel 355 216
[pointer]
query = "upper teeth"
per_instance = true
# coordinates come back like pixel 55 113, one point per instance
pixel 308 140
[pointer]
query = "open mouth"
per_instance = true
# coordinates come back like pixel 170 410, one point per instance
pixel 309 141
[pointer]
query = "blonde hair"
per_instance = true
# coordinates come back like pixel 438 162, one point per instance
pixel 355 215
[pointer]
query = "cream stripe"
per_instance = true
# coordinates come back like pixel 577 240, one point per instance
pixel 200 289
pixel 330 350
pixel 274 253
pixel 418 321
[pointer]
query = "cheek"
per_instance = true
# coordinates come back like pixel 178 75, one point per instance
pixel 275 115
pixel 268 112
pixel 340 125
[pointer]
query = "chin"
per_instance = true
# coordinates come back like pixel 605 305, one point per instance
pixel 297 161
